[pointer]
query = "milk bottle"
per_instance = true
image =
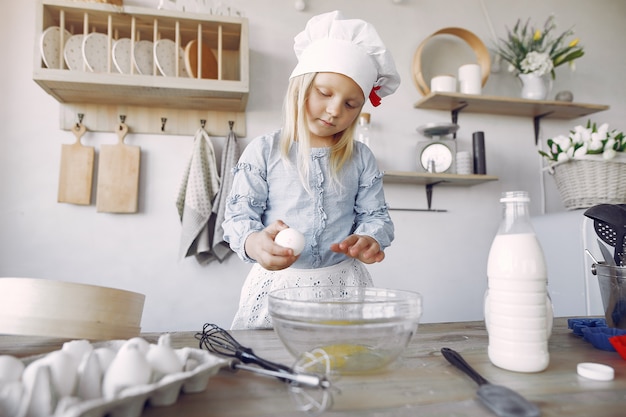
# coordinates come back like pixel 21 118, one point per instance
pixel 518 311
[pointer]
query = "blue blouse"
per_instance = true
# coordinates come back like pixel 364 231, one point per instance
pixel 265 189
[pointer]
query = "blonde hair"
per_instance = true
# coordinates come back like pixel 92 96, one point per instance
pixel 295 130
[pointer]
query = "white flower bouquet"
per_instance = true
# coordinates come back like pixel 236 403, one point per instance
pixel 530 50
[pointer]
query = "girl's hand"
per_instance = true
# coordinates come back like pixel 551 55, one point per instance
pixel 364 248
pixel 260 246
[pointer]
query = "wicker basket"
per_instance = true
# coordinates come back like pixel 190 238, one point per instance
pixel 584 183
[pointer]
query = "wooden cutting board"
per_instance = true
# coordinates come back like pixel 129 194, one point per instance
pixel 76 172
pixel 118 176
pixel 208 63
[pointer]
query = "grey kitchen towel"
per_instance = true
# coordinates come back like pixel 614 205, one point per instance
pixel 230 157
pixel 195 198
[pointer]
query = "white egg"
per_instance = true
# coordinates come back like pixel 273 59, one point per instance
pixel 162 358
pixel 290 238
pixel 105 357
pixel 90 374
pixel 11 369
pixel 140 343
pixel 129 368
pixel 77 348
pixel 41 397
pixel 63 371
pixel 11 395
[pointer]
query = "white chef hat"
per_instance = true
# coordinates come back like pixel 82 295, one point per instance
pixel 352 47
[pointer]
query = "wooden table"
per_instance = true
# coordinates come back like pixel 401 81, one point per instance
pixel 421 383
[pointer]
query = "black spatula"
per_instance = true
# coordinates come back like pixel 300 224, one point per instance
pixel 503 401
pixel 609 222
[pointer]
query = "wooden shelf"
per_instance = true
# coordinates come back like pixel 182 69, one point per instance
pixel 507 106
pixel 426 178
pixel 430 180
pixel 225 95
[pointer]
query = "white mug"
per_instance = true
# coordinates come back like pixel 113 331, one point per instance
pixel 443 83
pixel 470 81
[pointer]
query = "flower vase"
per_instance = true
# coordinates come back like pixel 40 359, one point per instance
pixel 535 87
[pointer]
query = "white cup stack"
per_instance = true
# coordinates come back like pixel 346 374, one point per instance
pixel 464 163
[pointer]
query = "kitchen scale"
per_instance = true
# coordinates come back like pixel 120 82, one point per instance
pixel 438 154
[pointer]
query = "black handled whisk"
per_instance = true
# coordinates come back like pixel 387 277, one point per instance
pixel 219 341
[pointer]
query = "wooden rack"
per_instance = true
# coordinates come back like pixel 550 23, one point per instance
pixel 182 101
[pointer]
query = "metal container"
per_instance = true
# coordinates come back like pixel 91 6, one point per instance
pixel 612 281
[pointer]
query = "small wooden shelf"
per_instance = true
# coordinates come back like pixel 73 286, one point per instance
pixel 430 180
pixel 427 178
pixel 507 106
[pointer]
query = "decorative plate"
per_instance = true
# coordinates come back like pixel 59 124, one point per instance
pixel 144 57
pixel 73 53
pixel 95 52
pixel 50 46
pixel 165 57
pixel 121 55
pixel 208 63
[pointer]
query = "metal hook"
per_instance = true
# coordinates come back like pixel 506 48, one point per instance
pixel 231 124
pixel 122 118
pixel 202 123
pixel 163 121
pixel 80 119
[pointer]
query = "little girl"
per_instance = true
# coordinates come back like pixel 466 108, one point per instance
pixel 311 175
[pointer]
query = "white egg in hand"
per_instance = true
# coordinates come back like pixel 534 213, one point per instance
pixel 290 238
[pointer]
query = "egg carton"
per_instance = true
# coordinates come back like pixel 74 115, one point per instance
pixel 199 366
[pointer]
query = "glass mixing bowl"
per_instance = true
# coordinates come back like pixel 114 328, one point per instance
pixel 357 329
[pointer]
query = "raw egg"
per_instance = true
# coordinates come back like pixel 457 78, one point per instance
pixel 290 238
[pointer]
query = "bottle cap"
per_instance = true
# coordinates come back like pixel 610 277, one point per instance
pixel 595 371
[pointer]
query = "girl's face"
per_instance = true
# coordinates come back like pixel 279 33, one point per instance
pixel 334 102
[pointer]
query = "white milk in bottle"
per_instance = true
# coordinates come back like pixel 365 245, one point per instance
pixel 518 311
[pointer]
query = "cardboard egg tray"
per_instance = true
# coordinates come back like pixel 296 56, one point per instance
pixel 131 401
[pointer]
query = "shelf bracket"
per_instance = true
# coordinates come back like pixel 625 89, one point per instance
pixel 429 199
pixel 429 194
pixel 537 124
pixel 454 114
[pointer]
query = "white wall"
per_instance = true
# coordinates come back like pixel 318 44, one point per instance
pixel 442 255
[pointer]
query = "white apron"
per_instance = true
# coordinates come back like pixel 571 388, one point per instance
pixel 253 311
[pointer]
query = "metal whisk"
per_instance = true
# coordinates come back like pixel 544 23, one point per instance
pixel 219 341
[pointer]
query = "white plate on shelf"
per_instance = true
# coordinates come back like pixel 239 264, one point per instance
pixel 73 53
pixel 144 57
pixel 95 52
pixel 50 46
pixel 165 58
pixel 121 55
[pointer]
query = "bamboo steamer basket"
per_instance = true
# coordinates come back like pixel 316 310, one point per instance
pixel 41 307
